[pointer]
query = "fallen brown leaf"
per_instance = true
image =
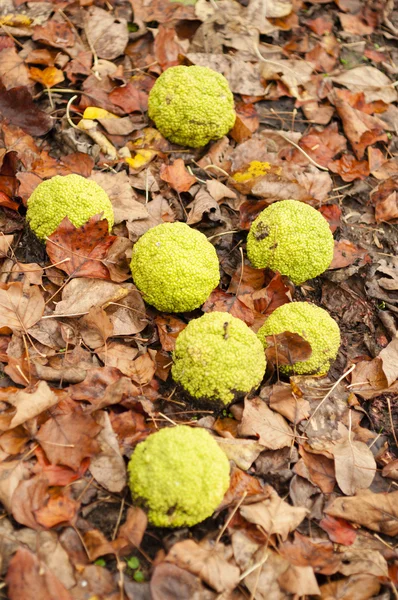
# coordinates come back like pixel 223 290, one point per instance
pixel 17 106
pixel 355 466
pixel 79 251
pixel 21 305
pixel 313 552
pixel 347 253
pixel 107 466
pixel 30 404
pixel 356 587
pixel 27 578
pixel 378 512
pixel 274 515
pixel 67 439
pixel 287 348
pixel 338 530
pixel 177 176
pixel 169 328
pixel 211 562
pixel 269 427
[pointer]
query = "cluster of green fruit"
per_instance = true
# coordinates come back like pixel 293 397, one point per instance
pixel 180 474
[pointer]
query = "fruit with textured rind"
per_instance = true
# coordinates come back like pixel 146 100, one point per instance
pixel 191 105
pixel 180 475
pixel 70 196
pixel 175 267
pixel 293 238
pixel 312 323
pixel 217 358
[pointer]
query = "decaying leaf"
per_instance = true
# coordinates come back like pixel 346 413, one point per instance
pixel 269 427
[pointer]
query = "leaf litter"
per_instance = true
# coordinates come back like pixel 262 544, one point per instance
pixel 312 507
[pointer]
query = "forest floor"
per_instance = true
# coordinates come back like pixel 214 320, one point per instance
pixel 312 509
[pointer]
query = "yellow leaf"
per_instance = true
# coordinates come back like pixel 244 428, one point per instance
pixel 141 158
pixel 15 20
pixel 93 112
pixel 48 77
pixel 255 169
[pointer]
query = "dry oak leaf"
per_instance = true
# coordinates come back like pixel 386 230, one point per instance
pixel 21 305
pixel 349 168
pixel 284 402
pixel 81 248
pixel 363 560
pixel 355 466
pixel 11 474
pixel 29 579
pixel 204 206
pixel 60 508
pixel 240 483
pixel 169 328
pixel 211 562
pixel 269 427
pixel 338 530
pixel 177 176
pixel 68 439
pixel 346 253
pixel 274 515
pixel 168 581
pixel 313 552
pixel 13 71
pixel 378 512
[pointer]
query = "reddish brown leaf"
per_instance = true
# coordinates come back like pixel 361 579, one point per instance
pixel 84 247
pixel 332 214
pixel 240 482
pixel 276 293
pixel 58 475
pixel 349 168
pixel 133 97
pixel 287 348
pixel 247 122
pixel 223 302
pixel 355 24
pixel 177 176
pixel 7 202
pixel 133 529
pixel 58 34
pixel 320 25
pixel 60 508
pixel 246 280
pixel 28 579
pixel 316 553
pixel 338 530
pixel 30 496
pixel 385 199
pixel 320 470
pixel 169 328
pixel 323 145
pixel 166 47
pixel 17 106
pixel 68 439
pixel 347 253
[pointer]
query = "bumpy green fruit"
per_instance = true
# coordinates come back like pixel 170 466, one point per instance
pixel 293 238
pixel 192 105
pixel 70 196
pixel 217 358
pixel 180 475
pixel 313 324
pixel 175 267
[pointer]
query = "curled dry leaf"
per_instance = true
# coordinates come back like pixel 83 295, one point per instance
pixel 169 329
pixel 269 427
pixel 169 582
pixel 211 562
pixel 287 348
pixel 204 206
pixel 107 33
pixel 31 404
pixel 360 587
pixel 21 305
pixel 124 199
pixel 274 515
pixel 313 552
pixel 286 403
pixel 242 452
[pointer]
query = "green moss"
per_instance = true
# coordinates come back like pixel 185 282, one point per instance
pixel 175 267
pixel 312 323
pixel 192 105
pixel 180 475
pixel 293 238
pixel 217 357
pixel 70 196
